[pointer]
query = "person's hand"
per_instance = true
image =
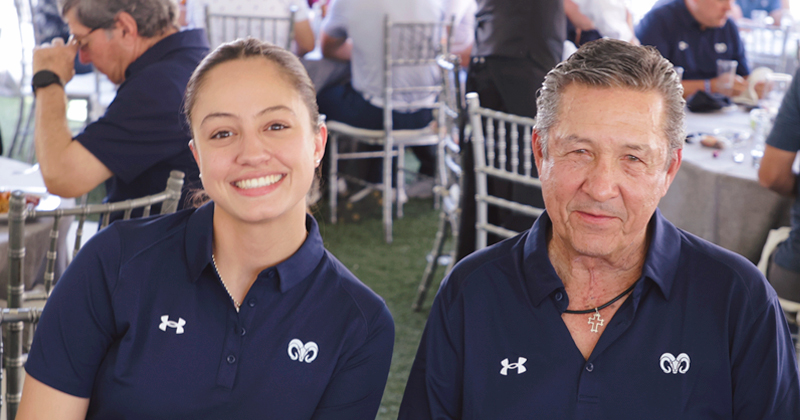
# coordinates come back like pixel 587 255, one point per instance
pixel 56 57
pixel 739 86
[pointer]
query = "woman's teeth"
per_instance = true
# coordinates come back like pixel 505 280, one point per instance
pixel 258 182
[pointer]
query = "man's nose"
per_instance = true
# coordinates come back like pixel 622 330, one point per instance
pixel 83 56
pixel 602 180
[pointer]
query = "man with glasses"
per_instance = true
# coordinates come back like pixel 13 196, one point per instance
pixel 141 137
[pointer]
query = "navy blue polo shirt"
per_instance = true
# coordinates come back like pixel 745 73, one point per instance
pixel 141 324
pixel 701 336
pixel 748 6
pixel 672 29
pixel 143 134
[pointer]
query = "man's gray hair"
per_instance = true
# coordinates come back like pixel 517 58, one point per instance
pixel 152 17
pixel 609 63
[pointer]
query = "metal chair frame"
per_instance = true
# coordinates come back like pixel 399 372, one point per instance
pixel 15 317
pixel 243 26
pixel 406 44
pixel 766 46
pixel 494 158
pixel 449 185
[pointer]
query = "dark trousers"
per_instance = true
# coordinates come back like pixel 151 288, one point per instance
pixel 344 104
pixel 507 85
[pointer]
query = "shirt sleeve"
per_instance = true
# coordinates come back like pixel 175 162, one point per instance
pixel 764 371
pixel 356 389
pixel 77 325
pixel 785 134
pixel 335 23
pixel 434 389
pixel 141 127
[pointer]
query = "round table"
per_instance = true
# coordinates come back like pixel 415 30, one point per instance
pixel 15 175
pixel 717 198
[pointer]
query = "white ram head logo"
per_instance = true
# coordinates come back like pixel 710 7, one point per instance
pixel 672 364
pixel 303 352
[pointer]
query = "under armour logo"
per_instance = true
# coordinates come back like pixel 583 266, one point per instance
pixel 672 364
pixel 165 322
pixel 303 352
pixel 519 366
pixel 720 47
pixel 683 45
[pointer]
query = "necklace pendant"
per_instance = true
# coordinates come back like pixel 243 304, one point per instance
pixel 596 320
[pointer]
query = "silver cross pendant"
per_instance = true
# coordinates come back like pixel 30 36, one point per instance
pixel 595 320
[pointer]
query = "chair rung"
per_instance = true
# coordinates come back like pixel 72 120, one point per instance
pixel 497 230
pixel 510 176
pixel 517 207
pixel 363 155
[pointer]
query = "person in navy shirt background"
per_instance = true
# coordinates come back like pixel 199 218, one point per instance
pixel 142 135
pixel 604 309
pixel 694 34
pixel 233 310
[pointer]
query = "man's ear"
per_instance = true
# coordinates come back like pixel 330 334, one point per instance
pixel 536 147
pixel 127 24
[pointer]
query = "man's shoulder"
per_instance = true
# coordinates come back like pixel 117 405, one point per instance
pixel 500 261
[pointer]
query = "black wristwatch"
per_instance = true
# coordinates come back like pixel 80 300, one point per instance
pixel 44 78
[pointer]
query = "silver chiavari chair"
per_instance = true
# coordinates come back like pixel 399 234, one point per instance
pixel 15 318
pixel 226 27
pixel 498 156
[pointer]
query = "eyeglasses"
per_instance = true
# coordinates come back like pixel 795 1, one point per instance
pixel 82 41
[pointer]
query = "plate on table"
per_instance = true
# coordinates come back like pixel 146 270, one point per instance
pixel 37 197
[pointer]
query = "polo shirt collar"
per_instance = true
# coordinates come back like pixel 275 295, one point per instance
pixel 195 38
pixel 660 264
pixel 686 15
pixel 198 246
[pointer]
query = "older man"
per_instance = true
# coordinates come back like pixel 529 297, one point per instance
pixel 141 137
pixel 694 34
pixel 604 309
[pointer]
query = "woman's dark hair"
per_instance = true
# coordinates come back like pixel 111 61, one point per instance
pixel 288 64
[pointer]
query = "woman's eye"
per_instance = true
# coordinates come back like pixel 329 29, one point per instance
pixel 221 134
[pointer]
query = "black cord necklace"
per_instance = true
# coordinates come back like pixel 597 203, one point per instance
pixel 597 309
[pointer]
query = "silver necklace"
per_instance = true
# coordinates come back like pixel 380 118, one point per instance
pixel 221 280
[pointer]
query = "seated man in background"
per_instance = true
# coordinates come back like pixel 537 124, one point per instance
pixel 142 136
pixel 694 34
pixel 604 309
pixel 744 9
pixel 353 31
pixel 775 173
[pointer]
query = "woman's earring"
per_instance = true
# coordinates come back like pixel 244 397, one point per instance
pixel 318 161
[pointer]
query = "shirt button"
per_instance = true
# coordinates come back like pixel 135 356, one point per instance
pixel 231 359
pixel 559 296
pixel 589 367
pixel 251 303
pixel 242 332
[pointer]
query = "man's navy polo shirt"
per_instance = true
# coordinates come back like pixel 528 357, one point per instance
pixel 702 336
pixel 748 6
pixel 672 29
pixel 143 134
pixel 141 324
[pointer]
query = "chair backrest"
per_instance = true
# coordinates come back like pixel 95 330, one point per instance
pixel 415 47
pixel 766 46
pixel 498 155
pixel 225 27
pixel 450 120
pixel 15 315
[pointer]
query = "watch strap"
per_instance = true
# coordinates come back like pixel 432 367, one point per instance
pixel 44 78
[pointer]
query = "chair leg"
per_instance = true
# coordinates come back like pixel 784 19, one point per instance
pixel 333 179
pixel 387 190
pixel 401 180
pixel 433 263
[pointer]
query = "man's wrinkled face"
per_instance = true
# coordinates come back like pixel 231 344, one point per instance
pixel 606 169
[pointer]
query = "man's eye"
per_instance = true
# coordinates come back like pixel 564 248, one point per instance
pixel 221 134
pixel 276 127
pixel 632 158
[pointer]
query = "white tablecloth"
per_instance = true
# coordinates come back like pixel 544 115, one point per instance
pixel 720 200
pixel 16 175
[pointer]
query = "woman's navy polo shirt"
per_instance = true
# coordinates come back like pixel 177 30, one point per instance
pixel 676 34
pixel 141 324
pixel 702 337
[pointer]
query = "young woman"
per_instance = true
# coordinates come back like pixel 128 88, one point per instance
pixel 233 310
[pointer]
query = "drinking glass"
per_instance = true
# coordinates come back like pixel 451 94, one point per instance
pixel 726 72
